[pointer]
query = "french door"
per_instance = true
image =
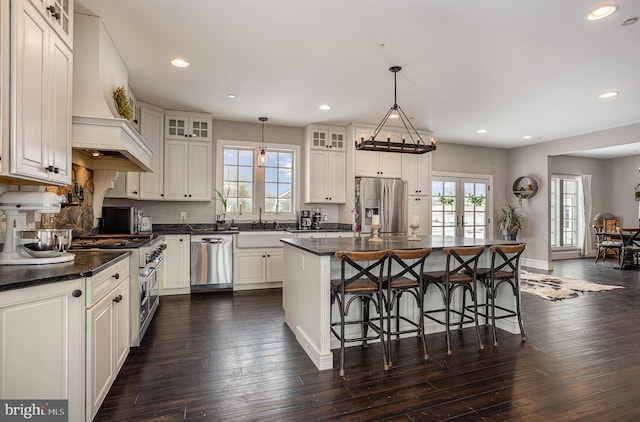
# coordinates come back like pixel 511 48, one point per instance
pixel 461 205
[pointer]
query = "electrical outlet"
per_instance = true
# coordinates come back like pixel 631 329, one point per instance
pixel 183 216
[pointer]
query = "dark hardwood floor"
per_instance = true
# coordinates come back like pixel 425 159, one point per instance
pixel 230 357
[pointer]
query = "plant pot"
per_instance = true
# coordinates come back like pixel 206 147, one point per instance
pixel 507 235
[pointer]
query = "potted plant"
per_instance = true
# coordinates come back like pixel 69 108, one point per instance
pixel 223 206
pixel 509 221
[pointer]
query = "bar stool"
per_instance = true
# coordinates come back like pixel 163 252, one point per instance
pixel 460 273
pixel 366 287
pixel 407 280
pixel 505 260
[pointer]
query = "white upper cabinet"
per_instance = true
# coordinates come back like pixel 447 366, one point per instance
pixel 325 176
pixel 184 125
pixel 377 164
pixel 59 15
pixel 42 83
pixel 187 171
pixel 416 170
pixel 326 138
pixel 151 127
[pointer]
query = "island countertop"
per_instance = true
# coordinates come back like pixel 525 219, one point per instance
pixel 86 263
pixel 328 246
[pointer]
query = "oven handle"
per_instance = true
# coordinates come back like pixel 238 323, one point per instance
pixel 143 272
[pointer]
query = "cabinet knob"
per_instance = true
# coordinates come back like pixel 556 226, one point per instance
pixel 264 256
pixel 135 192
pixel 53 12
pixel 49 169
pixel 116 276
pixel 268 256
pixel 76 293
pixel 117 299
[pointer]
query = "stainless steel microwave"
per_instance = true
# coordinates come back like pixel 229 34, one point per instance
pixel 120 220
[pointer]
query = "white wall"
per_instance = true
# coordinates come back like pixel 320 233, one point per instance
pixel 623 176
pixel 534 161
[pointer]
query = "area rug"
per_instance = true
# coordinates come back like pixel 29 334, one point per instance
pixel 557 288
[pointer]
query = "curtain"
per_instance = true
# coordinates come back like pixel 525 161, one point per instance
pixel 586 241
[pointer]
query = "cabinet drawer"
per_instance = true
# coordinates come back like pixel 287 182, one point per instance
pixel 106 280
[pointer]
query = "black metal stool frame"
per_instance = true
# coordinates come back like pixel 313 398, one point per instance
pixel 464 276
pixel 365 293
pixel 504 272
pixel 399 284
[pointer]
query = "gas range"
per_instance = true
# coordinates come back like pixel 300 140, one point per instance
pixel 112 241
pixel 145 271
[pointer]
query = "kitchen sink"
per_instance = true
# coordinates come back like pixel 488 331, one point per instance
pixel 262 239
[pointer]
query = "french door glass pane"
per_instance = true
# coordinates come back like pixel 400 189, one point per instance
pixel 459 207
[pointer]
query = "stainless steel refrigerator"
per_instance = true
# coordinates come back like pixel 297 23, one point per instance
pixel 386 198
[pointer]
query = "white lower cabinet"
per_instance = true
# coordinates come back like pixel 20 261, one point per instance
pixel 175 279
pixel 258 268
pixel 107 331
pixel 42 341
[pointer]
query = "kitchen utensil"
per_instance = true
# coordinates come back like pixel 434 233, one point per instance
pixel 45 243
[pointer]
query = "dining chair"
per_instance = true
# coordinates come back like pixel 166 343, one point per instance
pixel 406 280
pixel 604 244
pixel 460 273
pixel 362 278
pixel 504 270
pixel 630 247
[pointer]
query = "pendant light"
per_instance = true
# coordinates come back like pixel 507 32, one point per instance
pixel 262 154
pixel 415 145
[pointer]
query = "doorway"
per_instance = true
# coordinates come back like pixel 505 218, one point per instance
pixel 461 205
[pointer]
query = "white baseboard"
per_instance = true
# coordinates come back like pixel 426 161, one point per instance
pixel 536 263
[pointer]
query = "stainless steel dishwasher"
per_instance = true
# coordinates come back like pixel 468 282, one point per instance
pixel 211 263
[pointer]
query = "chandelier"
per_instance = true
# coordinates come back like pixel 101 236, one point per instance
pixel 415 144
pixel 262 154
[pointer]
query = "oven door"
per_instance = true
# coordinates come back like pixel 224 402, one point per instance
pixel 149 301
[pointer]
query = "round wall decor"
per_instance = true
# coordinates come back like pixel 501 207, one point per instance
pixel 525 187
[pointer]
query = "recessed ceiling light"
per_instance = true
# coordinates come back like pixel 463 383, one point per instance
pixel 602 12
pixel 177 62
pixel 231 96
pixel 527 137
pixel 608 94
pixel 481 131
pixel 325 107
pixel 630 21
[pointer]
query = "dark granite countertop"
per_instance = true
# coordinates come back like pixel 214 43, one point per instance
pixel 329 246
pixel 204 229
pixel 85 265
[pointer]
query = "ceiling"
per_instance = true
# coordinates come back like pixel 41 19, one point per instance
pixel 514 68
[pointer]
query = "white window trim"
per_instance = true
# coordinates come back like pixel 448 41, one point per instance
pixel 565 248
pixel 254 216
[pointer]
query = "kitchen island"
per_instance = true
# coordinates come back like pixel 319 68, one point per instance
pixel 310 265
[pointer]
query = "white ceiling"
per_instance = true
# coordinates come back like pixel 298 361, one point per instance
pixel 514 68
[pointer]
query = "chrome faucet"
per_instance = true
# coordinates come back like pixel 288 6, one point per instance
pixel 259 224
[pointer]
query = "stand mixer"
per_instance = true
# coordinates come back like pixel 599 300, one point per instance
pixel 15 205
